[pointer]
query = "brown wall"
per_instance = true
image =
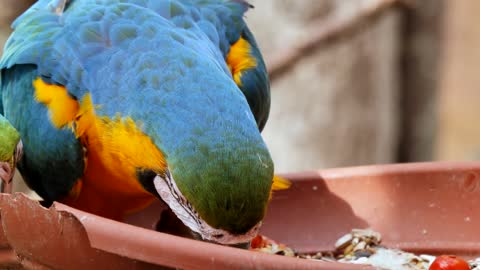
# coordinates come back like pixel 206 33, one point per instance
pixel 459 108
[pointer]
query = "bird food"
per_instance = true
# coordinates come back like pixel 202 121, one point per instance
pixel 363 246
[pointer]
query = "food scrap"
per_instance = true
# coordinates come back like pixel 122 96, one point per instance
pixel 449 262
pixel 363 246
pixel 264 244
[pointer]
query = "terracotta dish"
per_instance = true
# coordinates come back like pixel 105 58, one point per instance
pixel 425 208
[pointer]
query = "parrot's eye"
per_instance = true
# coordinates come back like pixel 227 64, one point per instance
pixel 145 177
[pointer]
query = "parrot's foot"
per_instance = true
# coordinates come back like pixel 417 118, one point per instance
pixel 6 175
pixel 7 170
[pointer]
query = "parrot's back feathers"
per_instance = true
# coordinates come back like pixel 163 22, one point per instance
pixel 57 6
pixel 86 35
pixel 41 36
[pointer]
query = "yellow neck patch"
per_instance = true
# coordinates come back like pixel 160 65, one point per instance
pixel 116 148
pixel 118 142
pixel 240 59
pixel 61 105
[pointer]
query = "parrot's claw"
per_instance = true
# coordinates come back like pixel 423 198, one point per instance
pixel 7 170
pixel 6 175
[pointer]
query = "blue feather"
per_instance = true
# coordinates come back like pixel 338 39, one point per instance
pixel 52 159
pixel 161 63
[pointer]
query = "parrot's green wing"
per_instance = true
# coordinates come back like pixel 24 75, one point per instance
pixel 9 138
pixel 49 166
pixel 10 151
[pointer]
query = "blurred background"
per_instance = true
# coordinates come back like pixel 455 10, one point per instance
pixel 358 82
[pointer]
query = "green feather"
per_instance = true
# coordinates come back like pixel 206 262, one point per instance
pixel 9 138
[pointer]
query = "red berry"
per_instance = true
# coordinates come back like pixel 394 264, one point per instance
pixel 257 242
pixel 261 241
pixel 449 262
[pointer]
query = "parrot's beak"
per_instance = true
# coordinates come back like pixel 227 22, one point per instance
pixel 193 225
pixel 7 169
pixel 197 236
pixel 241 245
pixel 169 223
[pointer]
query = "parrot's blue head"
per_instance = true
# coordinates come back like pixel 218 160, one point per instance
pixel 216 173
pixel 219 172
pixel 187 133
pixel 212 166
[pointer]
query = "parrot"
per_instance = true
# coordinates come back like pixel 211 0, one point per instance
pixel 119 103
pixel 10 152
